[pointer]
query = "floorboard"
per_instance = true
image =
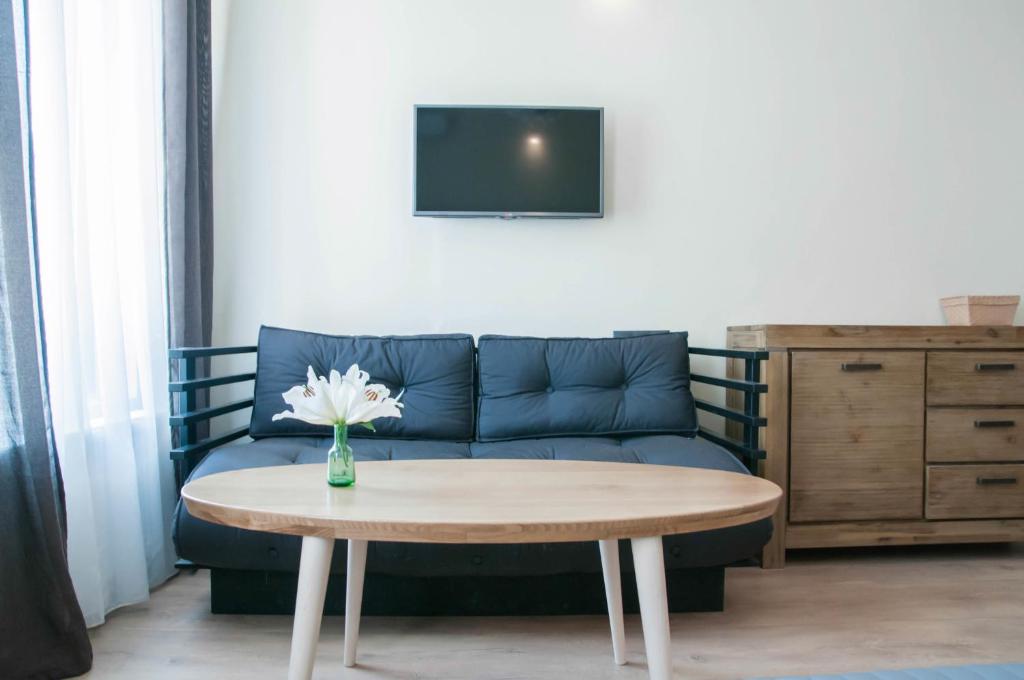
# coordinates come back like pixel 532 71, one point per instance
pixel 828 611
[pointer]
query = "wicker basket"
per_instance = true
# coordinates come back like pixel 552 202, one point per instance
pixel 980 310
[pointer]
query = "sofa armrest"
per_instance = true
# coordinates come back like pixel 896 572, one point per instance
pixel 186 388
pixel 749 418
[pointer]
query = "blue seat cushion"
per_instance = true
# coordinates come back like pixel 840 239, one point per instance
pixel 651 449
pixel 436 372
pixel 302 450
pixel 547 387
pixel 215 545
pixel 1014 671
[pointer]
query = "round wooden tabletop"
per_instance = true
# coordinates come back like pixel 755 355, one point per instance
pixel 483 501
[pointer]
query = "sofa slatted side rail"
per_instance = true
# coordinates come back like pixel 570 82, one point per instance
pixel 185 384
pixel 750 419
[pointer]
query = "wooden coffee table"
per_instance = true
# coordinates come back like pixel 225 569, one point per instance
pixel 482 501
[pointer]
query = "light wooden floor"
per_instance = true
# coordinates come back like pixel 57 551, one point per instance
pixel 826 612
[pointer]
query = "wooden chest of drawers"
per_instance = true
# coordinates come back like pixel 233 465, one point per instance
pixel 892 435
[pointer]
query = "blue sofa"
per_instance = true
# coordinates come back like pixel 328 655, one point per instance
pixel 623 399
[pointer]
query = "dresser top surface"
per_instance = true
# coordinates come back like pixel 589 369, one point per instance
pixel 805 336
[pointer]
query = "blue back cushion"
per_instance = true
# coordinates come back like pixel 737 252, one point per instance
pixel 436 372
pixel 547 387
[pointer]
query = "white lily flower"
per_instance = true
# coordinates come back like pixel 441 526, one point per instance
pixel 340 400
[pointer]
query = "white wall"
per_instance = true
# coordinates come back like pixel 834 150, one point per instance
pixel 836 162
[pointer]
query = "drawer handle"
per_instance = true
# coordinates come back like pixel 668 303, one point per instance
pixel 992 481
pixel 995 423
pixel 862 367
pixel 994 367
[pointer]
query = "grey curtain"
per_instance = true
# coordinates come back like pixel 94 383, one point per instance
pixel 188 110
pixel 42 632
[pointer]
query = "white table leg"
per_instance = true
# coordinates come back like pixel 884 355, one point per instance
pixel 314 568
pixel 354 597
pixel 649 564
pixel 613 595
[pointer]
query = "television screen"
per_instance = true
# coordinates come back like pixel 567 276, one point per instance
pixel 504 161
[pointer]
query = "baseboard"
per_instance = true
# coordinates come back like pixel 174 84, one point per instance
pixel 903 532
pixel 273 592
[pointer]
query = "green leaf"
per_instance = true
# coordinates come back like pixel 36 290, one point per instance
pixel 369 426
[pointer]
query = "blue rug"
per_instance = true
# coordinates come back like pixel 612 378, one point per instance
pixel 993 672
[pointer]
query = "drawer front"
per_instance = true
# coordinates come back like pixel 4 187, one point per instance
pixel 975 378
pixel 975 491
pixel 965 435
pixel 856 436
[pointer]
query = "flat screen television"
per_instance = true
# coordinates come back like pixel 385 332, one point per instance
pixel 509 161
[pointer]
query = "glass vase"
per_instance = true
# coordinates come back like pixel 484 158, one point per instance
pixel 341 465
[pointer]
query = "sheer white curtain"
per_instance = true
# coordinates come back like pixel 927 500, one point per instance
pixel 96 93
